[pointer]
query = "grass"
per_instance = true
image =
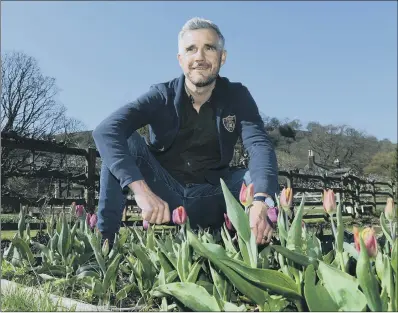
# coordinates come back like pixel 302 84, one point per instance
pixel 22 300
pixel 9 234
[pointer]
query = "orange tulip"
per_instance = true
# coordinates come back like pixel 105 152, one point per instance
pixel 389 210
pixel 329 201
pixel 286 198
pixel 246 194
pixel 369 239
pixel 179 215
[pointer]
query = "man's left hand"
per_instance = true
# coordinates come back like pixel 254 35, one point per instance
pixel 259 224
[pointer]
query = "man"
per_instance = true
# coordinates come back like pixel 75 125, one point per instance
pixel 194 121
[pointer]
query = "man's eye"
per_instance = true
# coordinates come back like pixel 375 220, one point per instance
pixel 211 48
pixel 189 49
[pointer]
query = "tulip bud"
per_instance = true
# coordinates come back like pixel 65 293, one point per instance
pixel 179 215
pixel 246 194
pixel 389 210
pixel 105 247
pixel 329 201
pixel 79 209
pixel 145 224
pixel 273 214
pixel 286 198
pixel 93 220
pixel 228 223
pixel 369 239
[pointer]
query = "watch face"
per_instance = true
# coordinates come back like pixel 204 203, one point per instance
pixel 270 202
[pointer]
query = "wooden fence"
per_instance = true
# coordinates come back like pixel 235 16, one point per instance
pixel 354 192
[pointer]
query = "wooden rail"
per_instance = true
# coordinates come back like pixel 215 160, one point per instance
pixel 351 190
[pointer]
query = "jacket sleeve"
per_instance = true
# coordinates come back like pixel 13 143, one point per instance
pixel 263 165
pixel 111 135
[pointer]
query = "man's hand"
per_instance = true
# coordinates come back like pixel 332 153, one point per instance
pixel 258 222
pixel 153 209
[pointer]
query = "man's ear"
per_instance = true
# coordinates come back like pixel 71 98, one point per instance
pixel 223 57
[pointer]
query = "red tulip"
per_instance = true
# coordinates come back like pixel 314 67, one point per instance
pixel 329 201
pixel 246 194
pixel 145 224
pixel 179 215
pixel 286 198
pixel 228 223
pixel 79 210
pixel 273 214
pixel 369 239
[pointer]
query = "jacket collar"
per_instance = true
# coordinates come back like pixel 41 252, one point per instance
pixel 179 89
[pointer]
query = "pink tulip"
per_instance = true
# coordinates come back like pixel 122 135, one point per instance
pixel 329 201
pixel 369 239
pixel 145 224
pixel 273 214
pixel 286 198
pixel 179 215
pixel 228 223
pixel 246 194
pixel 93 220
pixel 79 210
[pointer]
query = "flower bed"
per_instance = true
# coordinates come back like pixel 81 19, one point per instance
pixel 175 270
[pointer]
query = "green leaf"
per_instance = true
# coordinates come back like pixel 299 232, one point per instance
pixel 240 221
pixel 367 279
pixel 388 283
pixel 379 265
pixel 384 228
pixel 350 249
pixel 294 256
pixel 164 262
pixel 294 237
pixel 394 257
pixel 281 226
pixel 23 249
pixel 111 272
pixel 220 284
pixel 95 245
pixel 316 296
pixel 123 293
pixel 328 258
pixel 271 279
pixel 149 271
pixel 340 230
pixel 342 288
pixel 194 272
pixel 191 295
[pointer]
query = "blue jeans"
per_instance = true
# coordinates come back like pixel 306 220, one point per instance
pixel 204 203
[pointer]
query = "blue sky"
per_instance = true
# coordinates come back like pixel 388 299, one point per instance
pixel 332 62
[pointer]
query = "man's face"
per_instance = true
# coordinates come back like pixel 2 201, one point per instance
pixel 200 56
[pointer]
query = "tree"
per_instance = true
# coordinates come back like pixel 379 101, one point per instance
pixel 29 109
pixel 383 164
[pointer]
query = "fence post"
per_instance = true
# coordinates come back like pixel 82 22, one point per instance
pixel 374 196
pixel 91 158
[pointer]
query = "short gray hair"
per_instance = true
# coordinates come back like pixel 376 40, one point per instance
pixel 201 23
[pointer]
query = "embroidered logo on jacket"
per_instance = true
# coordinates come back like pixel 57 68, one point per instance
pixel 229 122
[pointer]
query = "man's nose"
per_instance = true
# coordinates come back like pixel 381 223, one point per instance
pixel 199 55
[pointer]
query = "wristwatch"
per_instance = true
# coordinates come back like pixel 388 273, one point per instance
pixel 267 200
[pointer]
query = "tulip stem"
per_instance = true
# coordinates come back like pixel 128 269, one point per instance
pixel 333 228
pixel 286 220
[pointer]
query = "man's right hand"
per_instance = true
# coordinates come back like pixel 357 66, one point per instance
pixel 153 209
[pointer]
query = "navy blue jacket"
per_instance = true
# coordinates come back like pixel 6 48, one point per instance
pixel 236 112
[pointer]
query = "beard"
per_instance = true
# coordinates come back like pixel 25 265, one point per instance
pixel 203 81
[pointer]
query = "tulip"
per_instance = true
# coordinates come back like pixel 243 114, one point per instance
pixel 145 224
pixel 389 210
pixel 105 247
pixel 88 216
pixel 246 194
pixel 273 214
pixel 228 223
pixel 79 210
pixel 179 216
pixel 369 239
pixel 91 220
pixel 286 198
pixel 329 201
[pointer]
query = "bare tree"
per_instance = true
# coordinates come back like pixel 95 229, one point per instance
pixel 29 109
